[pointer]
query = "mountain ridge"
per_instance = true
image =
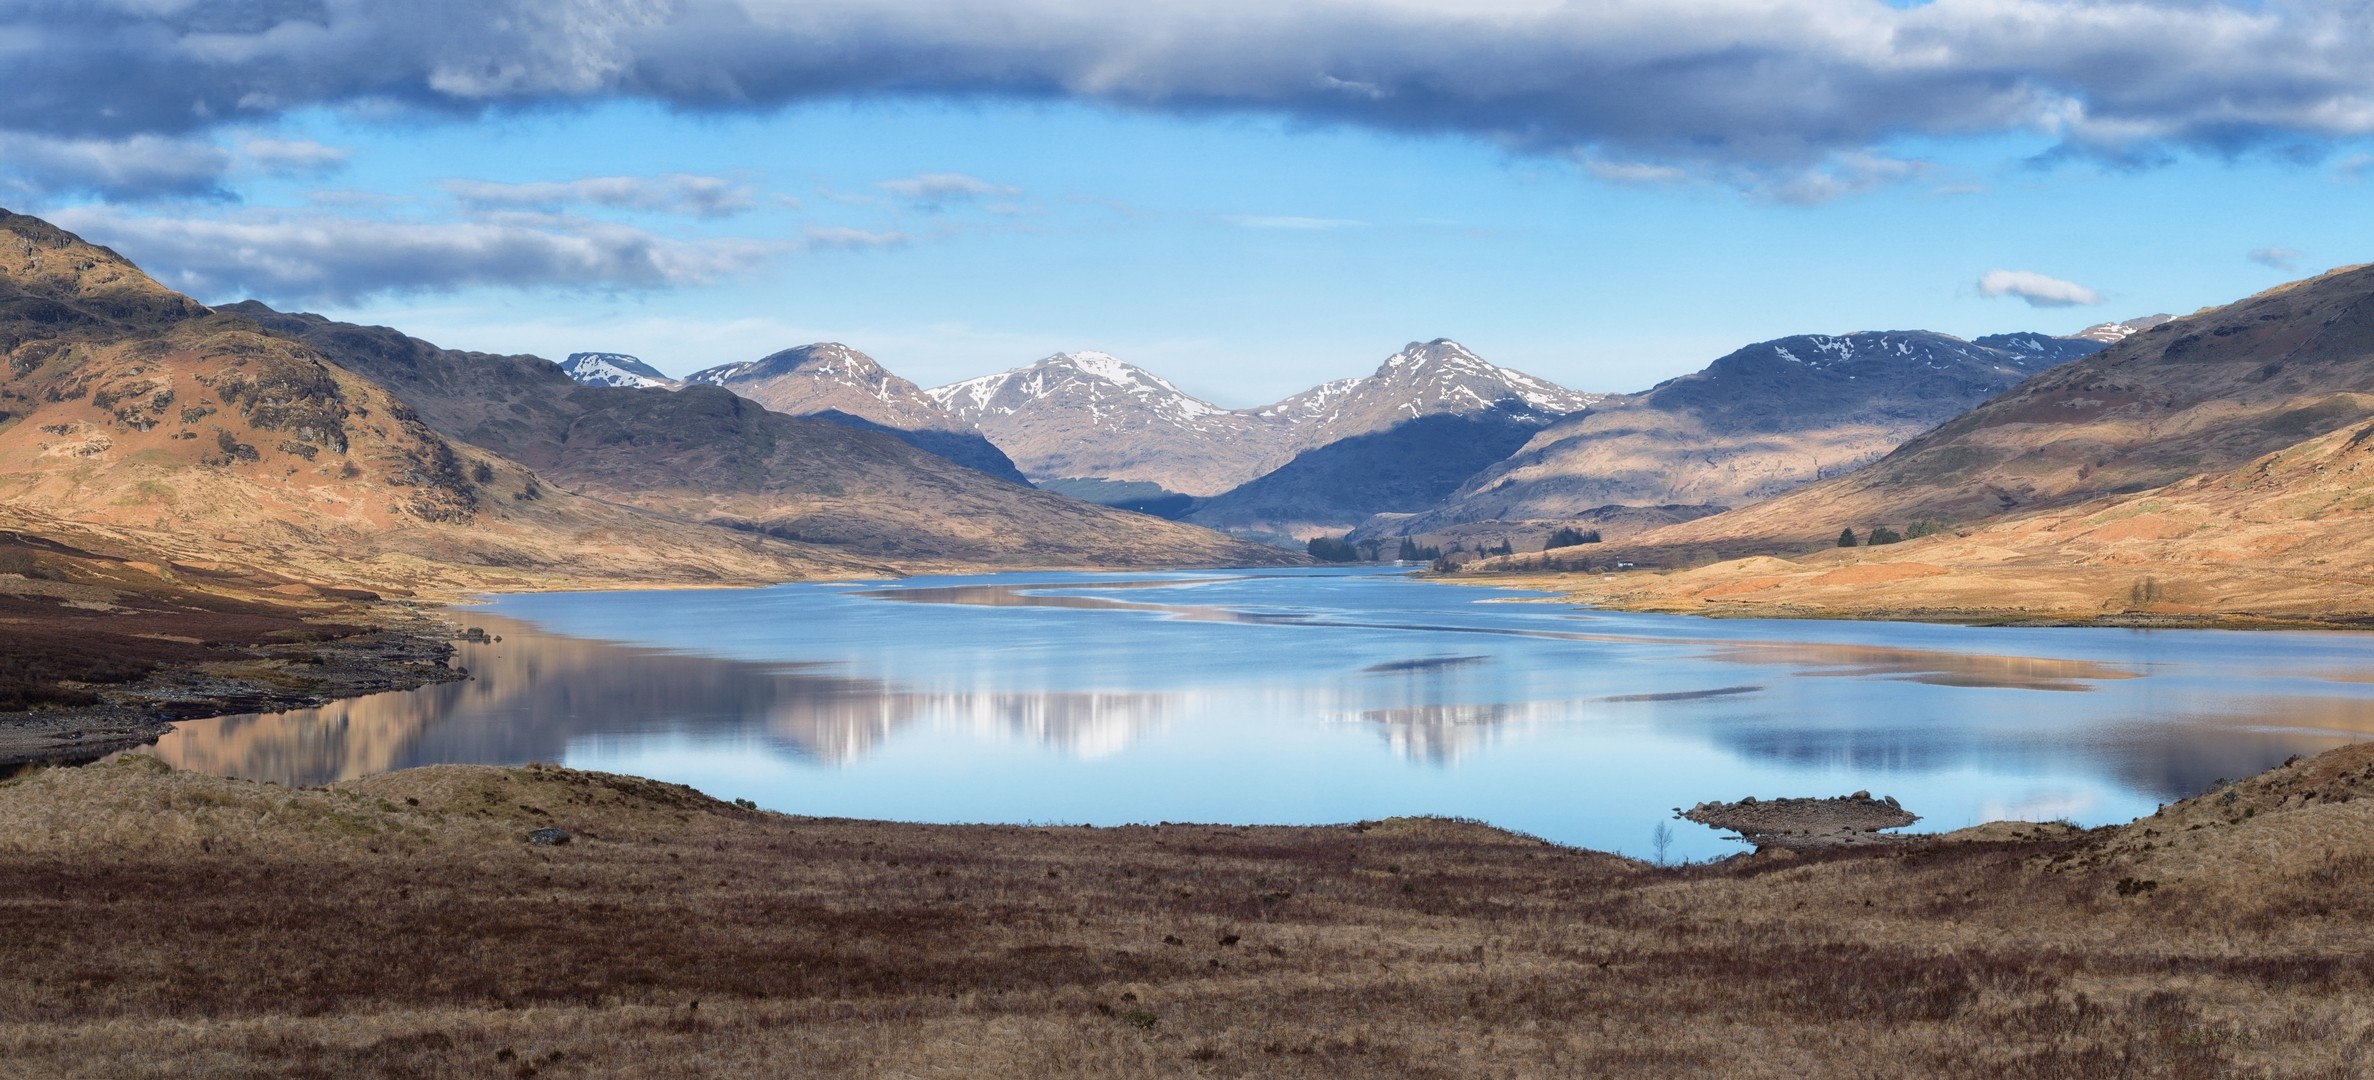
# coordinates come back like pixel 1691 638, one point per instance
pixel 706 455
pixel 1092 415
pixel 831 381
pixel 1754 423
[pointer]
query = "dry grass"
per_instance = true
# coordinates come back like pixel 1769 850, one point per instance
pixel 173 924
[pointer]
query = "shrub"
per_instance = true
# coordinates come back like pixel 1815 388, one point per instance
pixel 1881 534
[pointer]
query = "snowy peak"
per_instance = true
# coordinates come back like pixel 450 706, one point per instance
pixel 2111 333
pixel 1115 395
pixel 612 369
pixel 830 377
pixel 1424 379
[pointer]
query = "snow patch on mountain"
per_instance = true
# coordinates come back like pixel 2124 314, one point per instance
pixel 2111 333
pixel 613 369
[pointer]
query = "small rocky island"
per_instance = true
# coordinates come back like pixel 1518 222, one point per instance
pixel 1799 824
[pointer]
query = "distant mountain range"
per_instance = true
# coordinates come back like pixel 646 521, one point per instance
pixel 834 382
pixel 2202 393
pixel 2211 469
pixel 705 454
pixel 1753 424
pixel 1090 415
pixel 301 447
pixel 1437 442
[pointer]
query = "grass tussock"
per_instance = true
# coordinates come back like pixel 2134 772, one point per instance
pixel 172 924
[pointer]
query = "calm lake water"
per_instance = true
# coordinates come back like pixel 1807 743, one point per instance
pixel 1322 696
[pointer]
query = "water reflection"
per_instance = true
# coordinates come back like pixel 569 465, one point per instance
pixel 533 695
pixel 1849 660
pixel 1314 697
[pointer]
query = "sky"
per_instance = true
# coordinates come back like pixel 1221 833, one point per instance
pixel 1246 198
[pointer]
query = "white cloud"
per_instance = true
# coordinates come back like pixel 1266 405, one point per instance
pixel 937 189
pixel 675 193
pixel 137 167
pixel 835 236
pixel 1638 173
pixel 2037 289
pixel 312 256
pixel 2279 258
pixel 293 157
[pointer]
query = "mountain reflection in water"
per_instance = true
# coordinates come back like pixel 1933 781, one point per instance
pixel 532 695
pixel 1319 696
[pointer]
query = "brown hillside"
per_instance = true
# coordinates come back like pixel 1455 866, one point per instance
pixel 2197 395
pixel 705 454
pixel 130 411
pixel 2288 536
pixel 174 924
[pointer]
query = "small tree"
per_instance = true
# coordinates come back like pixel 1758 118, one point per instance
pixel 1918 529
pixel 1846 538
pixel 1334 549
pixel 1881 534
pixel 1569 536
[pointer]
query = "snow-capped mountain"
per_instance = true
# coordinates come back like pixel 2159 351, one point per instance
pixel 835 382
pixel 1432 378
pixel 1088 414
pixel 613 369
pixel 1754 423
pixel 1114 394
pixel 2111 333
pixel 830 377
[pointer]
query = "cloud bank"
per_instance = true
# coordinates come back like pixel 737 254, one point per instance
pixel 1792 97
pixel 317 257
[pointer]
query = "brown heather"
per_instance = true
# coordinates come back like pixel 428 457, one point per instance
pixel 164 923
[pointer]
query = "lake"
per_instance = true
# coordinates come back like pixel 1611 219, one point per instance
pixel 1313 696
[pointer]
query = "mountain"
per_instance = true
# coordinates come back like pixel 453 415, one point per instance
pixel 2284 536
pixel 1753 424
pixel 2113 332
pixel 134 416
pixel 613 369
pixel 835 382
pixel 704 454
pixel 2193 396
pixel 1089 415
pixel 1431 378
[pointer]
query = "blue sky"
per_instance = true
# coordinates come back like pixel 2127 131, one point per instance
pixel 1243 241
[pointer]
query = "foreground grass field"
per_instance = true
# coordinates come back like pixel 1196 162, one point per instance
pixel 171 924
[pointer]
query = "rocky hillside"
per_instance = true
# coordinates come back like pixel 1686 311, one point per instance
pixel 834 382
pixel 133 415
pixel 613 369
pixel 2195 395
pixel 704 454
pixel 1089 415
pixel 1758 422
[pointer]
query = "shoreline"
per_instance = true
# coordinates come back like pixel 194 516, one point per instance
pixel 407 924
pixel 1564 589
